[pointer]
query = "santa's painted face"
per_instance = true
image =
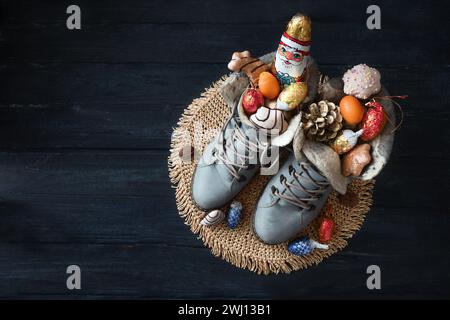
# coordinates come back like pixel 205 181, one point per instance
pixel 291 56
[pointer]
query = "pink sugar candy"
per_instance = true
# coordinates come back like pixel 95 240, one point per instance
pixel 362 81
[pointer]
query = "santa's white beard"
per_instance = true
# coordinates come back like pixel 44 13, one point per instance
pixel 294 71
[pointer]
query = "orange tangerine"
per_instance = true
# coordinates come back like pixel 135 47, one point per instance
pixel 351 110
pixel 268 85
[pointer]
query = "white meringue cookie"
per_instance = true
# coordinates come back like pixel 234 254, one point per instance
pixel 362 81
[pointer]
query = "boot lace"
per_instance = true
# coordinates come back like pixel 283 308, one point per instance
pixel 311 195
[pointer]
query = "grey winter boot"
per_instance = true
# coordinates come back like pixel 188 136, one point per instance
pixel 228 163
pixel 290 201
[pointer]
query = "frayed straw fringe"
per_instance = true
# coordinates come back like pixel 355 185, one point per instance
pixel 240 247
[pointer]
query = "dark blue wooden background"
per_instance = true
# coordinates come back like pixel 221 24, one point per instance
pixel 85 124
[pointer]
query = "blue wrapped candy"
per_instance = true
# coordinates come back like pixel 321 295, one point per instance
pixel 304 246
pixel 285 79
pixel 234 214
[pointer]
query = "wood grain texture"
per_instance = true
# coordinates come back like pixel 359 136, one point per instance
pixel 136 106
pixel 85 124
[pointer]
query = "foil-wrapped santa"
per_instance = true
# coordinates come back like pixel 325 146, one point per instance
pixel 295 73
pixel 292 55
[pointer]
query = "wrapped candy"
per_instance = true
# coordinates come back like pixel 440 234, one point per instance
pixel 268 85
pixel 326 229
pixel 354 161
pixel 346 140
pixel 351 110
pixel 212 218
pixel 304 246
pixel 373 121
pixel 291 97
pixel 252 99
pixel 234 214
pixel 362 81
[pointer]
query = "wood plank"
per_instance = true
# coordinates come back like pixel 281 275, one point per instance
pixel 137 173
pixel 167 43
pixel 46 12
pixel 136 106
pixel 130 271
pixel 126 197
pixel 89 218
pixel 165 85
pixel 144 173
pixel 110 83
pixel 88 125
pixel 128 245
pixel 146 126
pixel 115 219
pixel 162 32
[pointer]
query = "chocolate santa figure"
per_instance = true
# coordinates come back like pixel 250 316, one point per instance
pixel 296 71
pixel 292 55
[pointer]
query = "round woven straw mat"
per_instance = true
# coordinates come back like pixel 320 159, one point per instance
pixel 240 246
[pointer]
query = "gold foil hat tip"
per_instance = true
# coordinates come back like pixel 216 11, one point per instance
pixel 299 27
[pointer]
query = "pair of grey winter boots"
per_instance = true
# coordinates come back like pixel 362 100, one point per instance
pixel 293 197
pixel 291 200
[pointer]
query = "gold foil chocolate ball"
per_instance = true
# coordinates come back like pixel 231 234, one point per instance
pixel 345 141
pixel 299 27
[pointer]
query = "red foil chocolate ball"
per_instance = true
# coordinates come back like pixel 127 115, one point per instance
pixel 373 121
pixel 252 100
pixel 326 229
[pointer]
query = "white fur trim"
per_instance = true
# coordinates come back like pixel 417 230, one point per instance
pixel 293 44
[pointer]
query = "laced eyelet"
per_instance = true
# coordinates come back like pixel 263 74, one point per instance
pixel 274 190
pixel 282 178
pixel 291 169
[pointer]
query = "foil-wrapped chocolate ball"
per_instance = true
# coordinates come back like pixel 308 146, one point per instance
pixel 291 96
pixel 212 218
pixel 304 246
pixel 234 214
pixel 326 229
pixel 373 122
pixel 252 99
pixel 345 141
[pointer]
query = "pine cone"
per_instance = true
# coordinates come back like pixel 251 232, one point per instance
pixel 322 121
